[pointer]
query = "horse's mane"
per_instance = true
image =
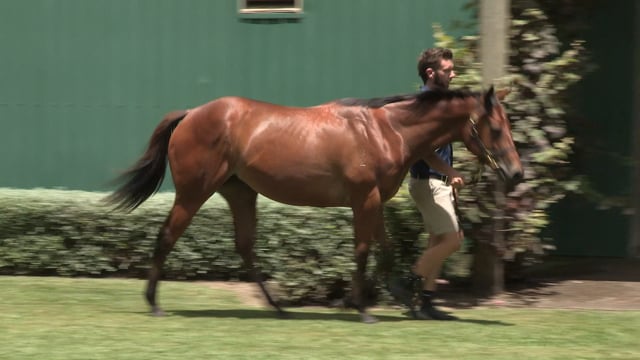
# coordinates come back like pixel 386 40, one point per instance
pixel 419 98
pixel 376 102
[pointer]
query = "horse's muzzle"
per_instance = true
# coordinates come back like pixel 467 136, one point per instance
pixel 517 177
pixel 512 178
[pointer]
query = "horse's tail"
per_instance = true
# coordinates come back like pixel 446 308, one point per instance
pixel 144 178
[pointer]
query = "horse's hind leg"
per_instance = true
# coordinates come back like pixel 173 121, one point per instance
pixel 242 202
pixel 179 218
pixel 367 216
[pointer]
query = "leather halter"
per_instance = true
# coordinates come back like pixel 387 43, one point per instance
pixel 488 154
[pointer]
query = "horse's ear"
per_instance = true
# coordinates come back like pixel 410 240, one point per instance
pixel 490 92
pixel 489 100
pixel 502 93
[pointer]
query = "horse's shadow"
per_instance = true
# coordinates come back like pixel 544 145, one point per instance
pixel 270 314
pixel 306 315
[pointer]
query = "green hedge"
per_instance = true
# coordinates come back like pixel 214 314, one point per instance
pixel 307 252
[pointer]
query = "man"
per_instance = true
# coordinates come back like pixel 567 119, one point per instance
pixel 432 185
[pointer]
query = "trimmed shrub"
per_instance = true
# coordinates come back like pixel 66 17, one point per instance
pixel 307 252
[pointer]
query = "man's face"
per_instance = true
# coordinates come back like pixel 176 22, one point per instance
pixel 440 79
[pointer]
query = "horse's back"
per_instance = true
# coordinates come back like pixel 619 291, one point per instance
pixel 295 155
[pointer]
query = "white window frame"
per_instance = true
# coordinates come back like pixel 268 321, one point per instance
pixel 244 8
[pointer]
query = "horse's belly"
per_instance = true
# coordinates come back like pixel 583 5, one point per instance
pixel 298 190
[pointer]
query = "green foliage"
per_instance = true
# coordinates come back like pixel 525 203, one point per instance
pixel 541 71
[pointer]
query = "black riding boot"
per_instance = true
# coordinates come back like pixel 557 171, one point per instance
pixel 404 289
pixel 428 311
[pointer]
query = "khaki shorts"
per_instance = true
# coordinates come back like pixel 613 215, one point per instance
pixel 434 199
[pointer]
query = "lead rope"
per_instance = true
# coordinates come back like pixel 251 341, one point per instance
pixel 456 207
pixel 475 178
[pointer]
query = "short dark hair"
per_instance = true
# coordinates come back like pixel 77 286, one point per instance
pixel 430 58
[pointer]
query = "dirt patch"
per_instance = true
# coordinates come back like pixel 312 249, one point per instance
pixel 567 283
pixel 247 293
pixel 577 294
pixel 602 284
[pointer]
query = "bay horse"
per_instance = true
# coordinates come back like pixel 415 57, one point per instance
pixel 345 153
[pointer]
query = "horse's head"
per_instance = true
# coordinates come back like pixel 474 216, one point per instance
pixel 490 138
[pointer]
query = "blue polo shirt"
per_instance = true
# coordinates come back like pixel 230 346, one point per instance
pixel 421 170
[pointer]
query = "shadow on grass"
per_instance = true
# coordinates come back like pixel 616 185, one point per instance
pixel 270 314
pixel 470 321
pixel 307 315
pixel 485 322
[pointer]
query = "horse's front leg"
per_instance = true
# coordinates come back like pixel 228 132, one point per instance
pixel 367 216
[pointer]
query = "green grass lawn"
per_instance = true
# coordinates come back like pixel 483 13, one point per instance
pixel 61 318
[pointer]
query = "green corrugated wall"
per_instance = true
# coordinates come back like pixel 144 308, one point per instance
pixel 84 82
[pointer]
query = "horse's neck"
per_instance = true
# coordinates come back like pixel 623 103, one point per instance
pixel 436 127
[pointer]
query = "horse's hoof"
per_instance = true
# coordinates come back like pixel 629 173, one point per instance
pixel 339 304
pixel 368 319
pixel 283 314
pixel 157 312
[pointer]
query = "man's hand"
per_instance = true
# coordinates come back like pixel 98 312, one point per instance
pixel 456 180
pixel 436 163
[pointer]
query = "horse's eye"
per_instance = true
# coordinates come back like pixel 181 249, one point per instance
pixel 496 132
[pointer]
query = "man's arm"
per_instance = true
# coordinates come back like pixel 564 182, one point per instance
pixel 436 163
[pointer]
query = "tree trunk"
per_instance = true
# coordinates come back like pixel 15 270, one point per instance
pixel 488 270
pixel 488 263
pixel 488 266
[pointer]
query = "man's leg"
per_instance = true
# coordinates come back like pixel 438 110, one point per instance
pixel 429 266
pixel 430 262
pixel 434 200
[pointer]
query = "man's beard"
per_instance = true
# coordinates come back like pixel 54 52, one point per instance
pixel 440 84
